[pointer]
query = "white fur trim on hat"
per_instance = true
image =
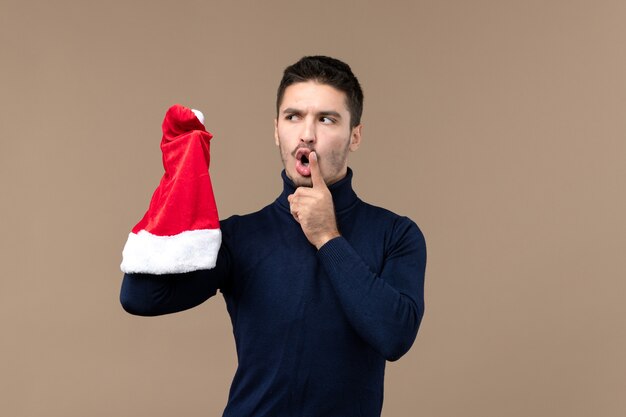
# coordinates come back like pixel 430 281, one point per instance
pixel 188 251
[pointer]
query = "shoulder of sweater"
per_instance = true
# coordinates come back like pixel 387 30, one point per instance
pixel 244 220
pixel 382 213
pixel 397 223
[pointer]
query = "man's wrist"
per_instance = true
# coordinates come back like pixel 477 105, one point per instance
pixel 326 239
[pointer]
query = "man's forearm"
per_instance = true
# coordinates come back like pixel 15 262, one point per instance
pixel 385 310
pixel 153 295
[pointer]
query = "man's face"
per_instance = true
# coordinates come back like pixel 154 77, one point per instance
pixel 314 117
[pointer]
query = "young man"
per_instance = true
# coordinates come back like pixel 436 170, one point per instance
pixel 322 288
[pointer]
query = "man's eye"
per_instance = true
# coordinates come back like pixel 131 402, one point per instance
pixel 291 117
pixel 327 120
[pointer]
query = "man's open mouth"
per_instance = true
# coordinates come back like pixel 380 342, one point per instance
pixel 302 161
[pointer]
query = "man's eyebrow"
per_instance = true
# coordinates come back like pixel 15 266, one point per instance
pixel 291 110
pixel 330 113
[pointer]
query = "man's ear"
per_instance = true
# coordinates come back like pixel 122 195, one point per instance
pixel 355 137
pixel 276 132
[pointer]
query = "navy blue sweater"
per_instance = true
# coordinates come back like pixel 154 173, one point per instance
pixel 313 329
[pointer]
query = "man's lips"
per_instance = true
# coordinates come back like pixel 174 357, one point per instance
pixel 302 161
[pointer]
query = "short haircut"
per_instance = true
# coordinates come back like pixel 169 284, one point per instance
pixel 329 71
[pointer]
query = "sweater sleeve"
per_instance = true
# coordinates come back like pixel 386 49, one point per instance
pixel 386 309
pixel 153 295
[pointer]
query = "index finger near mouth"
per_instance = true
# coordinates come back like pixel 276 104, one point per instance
pixel 316 175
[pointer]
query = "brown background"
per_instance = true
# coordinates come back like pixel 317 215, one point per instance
pixel 498 126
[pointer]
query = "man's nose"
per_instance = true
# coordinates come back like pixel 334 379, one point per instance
pixel 308 132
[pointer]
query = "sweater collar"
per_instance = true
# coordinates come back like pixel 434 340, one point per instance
pixel 343 194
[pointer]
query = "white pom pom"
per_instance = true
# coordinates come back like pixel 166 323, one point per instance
pixel 199 115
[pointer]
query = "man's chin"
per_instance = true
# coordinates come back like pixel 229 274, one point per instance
pixel 302 182
pixel 299 180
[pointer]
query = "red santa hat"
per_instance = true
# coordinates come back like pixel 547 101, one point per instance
pixel 180 231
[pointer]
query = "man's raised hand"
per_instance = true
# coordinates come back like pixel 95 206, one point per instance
pixel 313 208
